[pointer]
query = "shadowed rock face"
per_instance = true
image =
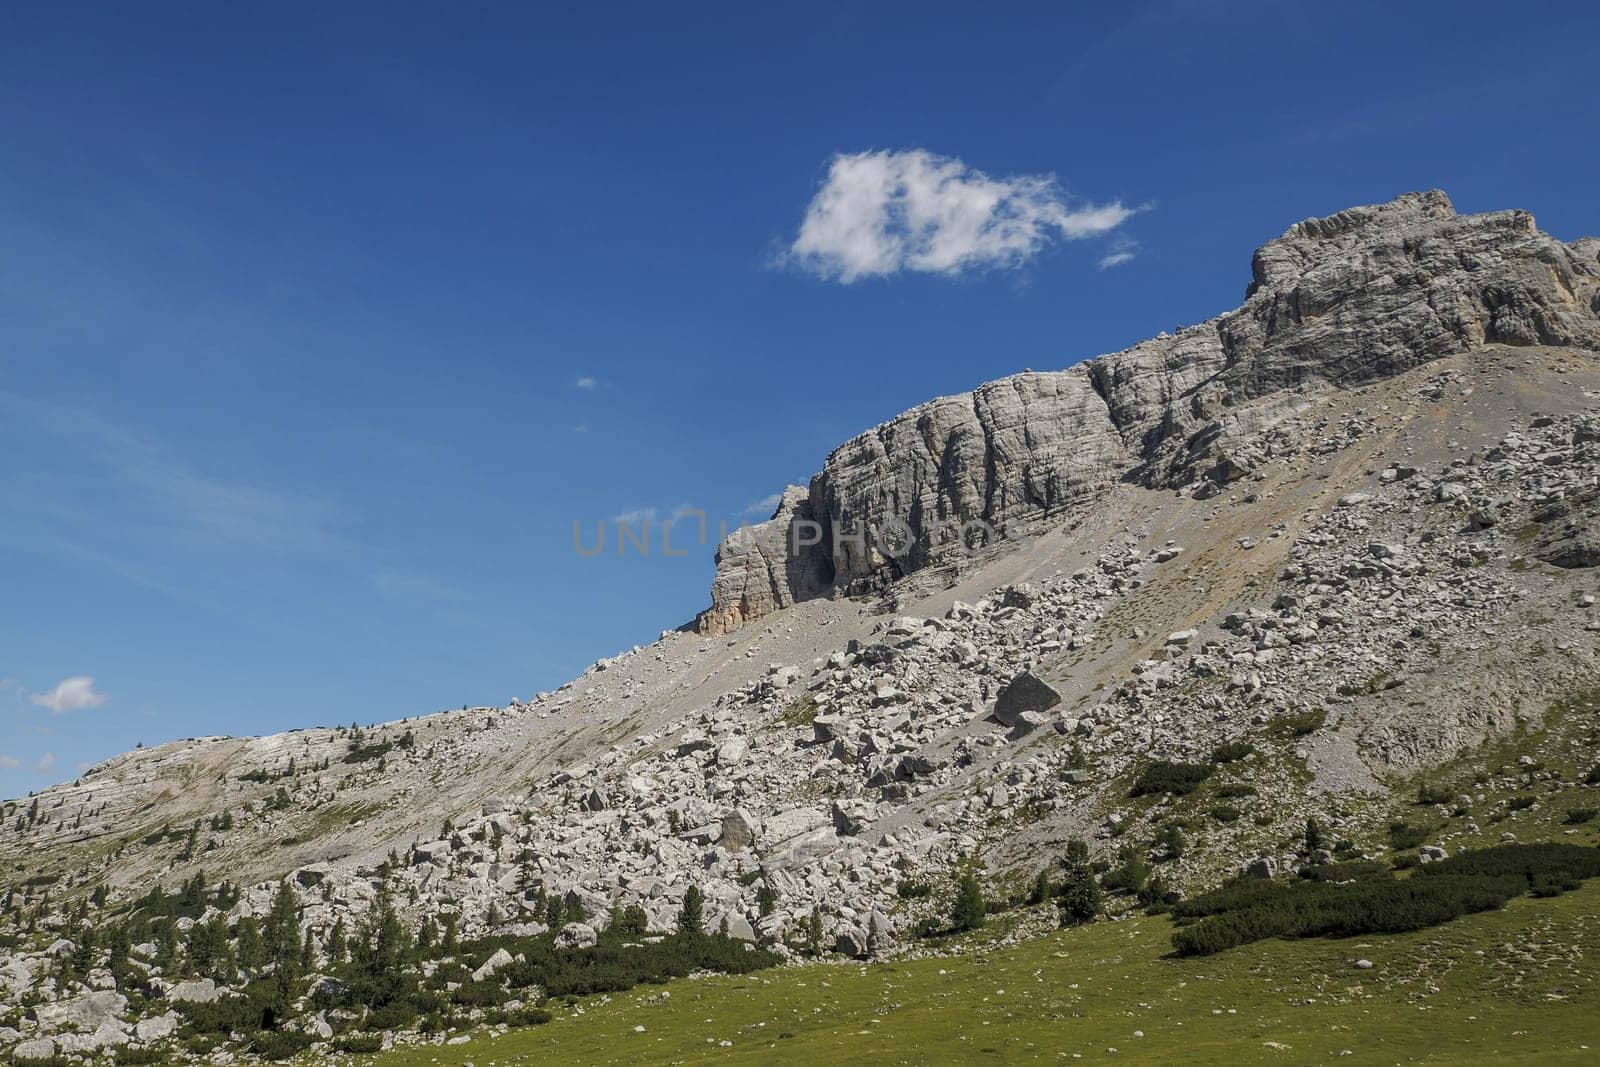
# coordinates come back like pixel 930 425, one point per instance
pixel 1335 302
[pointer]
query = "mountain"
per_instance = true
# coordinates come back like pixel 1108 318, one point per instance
pixel 1334 304
pixel 1341 536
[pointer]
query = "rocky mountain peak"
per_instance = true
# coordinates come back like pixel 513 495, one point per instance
pixel 1334 303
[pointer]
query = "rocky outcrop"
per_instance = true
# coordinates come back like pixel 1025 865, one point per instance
pixel 1335 302
pixel 768 566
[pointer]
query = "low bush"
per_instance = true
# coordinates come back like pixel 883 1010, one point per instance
pixel 1231 751
pixel 1433 794
pixel 1522 803
pixel 1299 724
pixel 1407 835
pixel 1166 777
pixel 1327 909
pixel 1226 813
pixel 1578 816
pixel 1373 902
pixel 1343 872
pixel 278 1045
pixel 130 1057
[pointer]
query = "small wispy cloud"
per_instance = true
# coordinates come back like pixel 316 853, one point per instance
pixel 636 516
pixel 587 383
pixel 880 213
pixel 71 694
pixel 9 763
pixel 765 506
pixel 46 763
pixel 582 427
pixel 1123 250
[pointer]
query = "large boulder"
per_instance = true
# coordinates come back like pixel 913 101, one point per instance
pixel 1025 692
pixel 197 991
pixel 492 965
pixel 577 935
pixel 84 1012
pixel 738 830
pixel 40 1048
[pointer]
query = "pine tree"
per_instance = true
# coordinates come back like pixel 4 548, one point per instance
pixel 252 951
pixel 1314 838
pixel 814 931
pixel 766 898
pixel 691 916
pixel 383 953
pixel 1041 888
pixel 968 910
pixel 282 929
pixel 1079 895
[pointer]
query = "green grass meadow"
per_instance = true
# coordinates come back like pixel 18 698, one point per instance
pixel 1516 986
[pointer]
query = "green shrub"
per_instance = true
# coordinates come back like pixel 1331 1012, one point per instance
pixel 1406 835
pixel 484 994
pixel 1235 790
pixel 1372 902
pixel 367 753
pixel 1299 724
pixel 1522 803
pixel 358 1044
pixel 129 1057
pixel 1431 794
pixel 1577 816
pixel 1130 873
pixel 278 1045
pixel 1231 751
pixel 1226 813
pixel 1343 872
pixel 1166 777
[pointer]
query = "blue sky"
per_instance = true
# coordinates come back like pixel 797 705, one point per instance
pixel 319 326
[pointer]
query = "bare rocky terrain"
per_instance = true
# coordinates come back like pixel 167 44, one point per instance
pixel 1352 526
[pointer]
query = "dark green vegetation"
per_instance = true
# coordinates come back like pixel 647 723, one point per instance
pixel 1347 900
pixel 380 976
pixel 1164 777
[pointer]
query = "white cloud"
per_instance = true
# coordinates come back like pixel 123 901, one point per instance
pixel 636 516
pixel 46 761
pixel 1115 259
pixel 9 763
pixel 879 213
pixel 587 382
pixel 72 694
pixel 765 506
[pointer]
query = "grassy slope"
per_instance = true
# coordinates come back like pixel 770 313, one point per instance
pixel 1532 996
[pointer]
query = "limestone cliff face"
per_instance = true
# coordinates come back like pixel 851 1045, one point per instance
pixel 1335 302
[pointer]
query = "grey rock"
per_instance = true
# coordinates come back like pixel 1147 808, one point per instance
pixel 38 1048
pixel 738 830
pixel 1025 692
pixel 195 991
pixel 577 935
